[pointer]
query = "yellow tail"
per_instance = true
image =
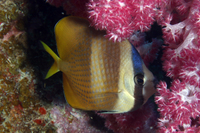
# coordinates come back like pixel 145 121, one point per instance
pixel 54 68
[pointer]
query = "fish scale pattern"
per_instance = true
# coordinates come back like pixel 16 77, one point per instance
pixel 79 73
pixel 94 71
pixel 105 68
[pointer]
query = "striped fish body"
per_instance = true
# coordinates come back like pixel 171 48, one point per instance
pixel 99 74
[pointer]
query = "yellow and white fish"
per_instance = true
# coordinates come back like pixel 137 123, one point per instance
pixel 99 74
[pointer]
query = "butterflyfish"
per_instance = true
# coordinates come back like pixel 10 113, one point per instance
pixel 99 74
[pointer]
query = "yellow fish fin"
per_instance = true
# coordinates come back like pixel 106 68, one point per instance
pixel 70 32
pixel 54 68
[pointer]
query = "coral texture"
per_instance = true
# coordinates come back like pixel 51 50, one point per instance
pixel 68 119
pixel 178 104
pixel 120 18
pixel 20 107
pixel 179 107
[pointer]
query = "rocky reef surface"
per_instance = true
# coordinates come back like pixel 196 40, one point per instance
pixel 27 102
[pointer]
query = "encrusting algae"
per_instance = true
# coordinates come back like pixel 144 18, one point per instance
pixel 20 107
pixel 9 10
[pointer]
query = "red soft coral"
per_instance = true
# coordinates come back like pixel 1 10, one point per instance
pixel 113 16
pixel 182 39
pixel 178 106
pixel 120 18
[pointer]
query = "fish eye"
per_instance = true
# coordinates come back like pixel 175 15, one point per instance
pixel 139 79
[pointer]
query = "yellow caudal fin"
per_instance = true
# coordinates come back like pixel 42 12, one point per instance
pixel 54 68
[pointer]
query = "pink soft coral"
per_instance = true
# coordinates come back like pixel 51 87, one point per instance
pixel 182 51
pixel 120 18
pixel 179 106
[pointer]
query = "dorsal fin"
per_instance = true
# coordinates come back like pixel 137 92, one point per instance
pixel 68 32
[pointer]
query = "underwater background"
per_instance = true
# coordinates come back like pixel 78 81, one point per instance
pixel 166 34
